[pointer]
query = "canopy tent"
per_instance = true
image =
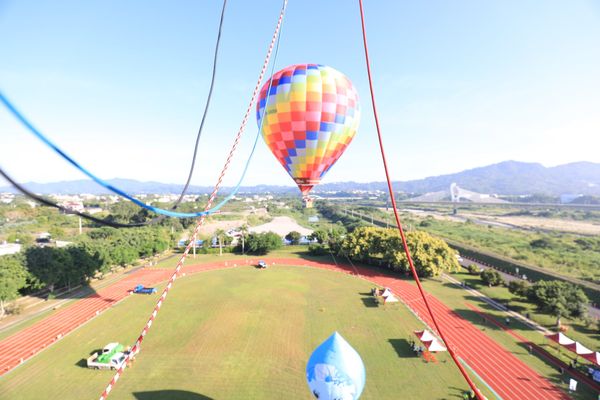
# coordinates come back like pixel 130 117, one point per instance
pixel 575 347
pixel 389 299
pixel 430 342
pixel 387 292
pixel 434 346
pixel 594 357
pixel 579 349
pixel 424 335
pixel 560 339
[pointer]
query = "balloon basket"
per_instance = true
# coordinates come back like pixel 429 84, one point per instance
pixel 308 202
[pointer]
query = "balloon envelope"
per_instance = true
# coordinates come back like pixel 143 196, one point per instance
pixel 335 370
pixel 312 114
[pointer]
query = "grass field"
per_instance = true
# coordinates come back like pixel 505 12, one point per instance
pixel 240 334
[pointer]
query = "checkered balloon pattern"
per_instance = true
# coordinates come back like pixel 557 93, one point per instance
pixel 312 114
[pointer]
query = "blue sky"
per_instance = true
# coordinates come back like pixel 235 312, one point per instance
pixel 121 85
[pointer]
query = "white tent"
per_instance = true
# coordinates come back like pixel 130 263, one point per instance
pixel 431 342
pixel 424 335
pixel 579 349
pixel 594 357
pixel 387 292
pixel 389 299
pixel 560 339
pixel 434 346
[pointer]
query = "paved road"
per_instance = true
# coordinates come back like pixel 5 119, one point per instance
pixel 594 312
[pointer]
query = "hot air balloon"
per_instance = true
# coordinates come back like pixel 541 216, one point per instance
pixel 312 114
pixel 335 370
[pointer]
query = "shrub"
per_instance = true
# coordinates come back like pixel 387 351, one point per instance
pixel 491 277
pixel 474 269
pixel 317 249
pixel 519 288
pixel 262 243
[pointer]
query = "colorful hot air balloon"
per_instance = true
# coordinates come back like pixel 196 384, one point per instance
pixel 312 114
pixel 335 371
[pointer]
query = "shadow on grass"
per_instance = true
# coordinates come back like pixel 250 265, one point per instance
pixel 170 394
pixel 473 283
pixel 370 302
pixel 476 318
pixel 83 362
pixel 458 392
pixel 402 348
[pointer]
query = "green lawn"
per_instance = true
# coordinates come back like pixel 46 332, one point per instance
pixel 240 334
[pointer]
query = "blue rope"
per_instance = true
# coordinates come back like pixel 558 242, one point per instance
pixel 169 213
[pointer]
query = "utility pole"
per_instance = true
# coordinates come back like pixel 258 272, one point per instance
pixel 80 226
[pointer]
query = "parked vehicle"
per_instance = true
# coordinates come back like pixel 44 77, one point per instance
pixel 262 264
pixel 143 290
pixel 112 356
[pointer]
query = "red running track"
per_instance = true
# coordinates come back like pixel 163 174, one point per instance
pixel 506 374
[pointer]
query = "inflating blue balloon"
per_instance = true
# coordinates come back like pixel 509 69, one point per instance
pixel 335 370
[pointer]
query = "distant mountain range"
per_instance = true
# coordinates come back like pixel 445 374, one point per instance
pixel 505 178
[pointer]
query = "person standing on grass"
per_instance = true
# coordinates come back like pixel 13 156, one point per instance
pixel 507 321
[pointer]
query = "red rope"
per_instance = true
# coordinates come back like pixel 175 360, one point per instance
pixel 136 347
pixel 397 217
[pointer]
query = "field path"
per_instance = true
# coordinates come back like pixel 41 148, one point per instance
pixel 511 378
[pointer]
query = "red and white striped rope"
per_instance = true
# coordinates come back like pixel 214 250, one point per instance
pixel 136 347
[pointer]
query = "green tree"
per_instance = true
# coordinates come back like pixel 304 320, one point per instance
pixel 13 277
pixel 561 299
pixel 362 243
pixel 474 269
pixel 518 287
pixel 293 237
pixel 320 235
pixel 220 234
pixel 244 229
pixel 48 265
pixel 491 277
pixel 431 256
pixel 262 243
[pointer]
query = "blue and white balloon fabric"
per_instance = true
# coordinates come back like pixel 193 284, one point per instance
pixel 335 370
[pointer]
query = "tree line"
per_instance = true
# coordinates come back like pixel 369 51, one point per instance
pixel 96 253
pixel 557 298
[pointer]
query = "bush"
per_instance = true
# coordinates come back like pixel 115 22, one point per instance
pixel 542 243
pixel 293 237
pixel 491 277
pixel 317 250
pixel 519 288
pixel 262 243
pixel 474 269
